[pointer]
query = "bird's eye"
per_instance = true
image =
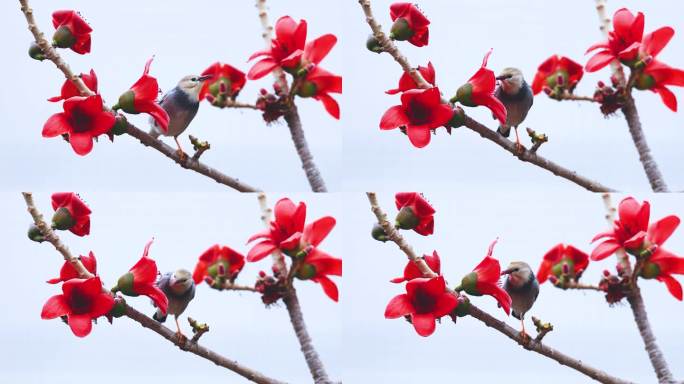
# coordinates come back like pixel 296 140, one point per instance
pixel 194 79
pixel 516 269
pixel 508 76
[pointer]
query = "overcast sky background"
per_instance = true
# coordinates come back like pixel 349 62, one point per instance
pixel 186 38
pixel 523 34
pixel 527 225
pixel 184 226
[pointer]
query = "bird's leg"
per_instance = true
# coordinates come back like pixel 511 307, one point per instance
pixel 519 147
pixel 179 335
pixel 180 152
pixel 525 337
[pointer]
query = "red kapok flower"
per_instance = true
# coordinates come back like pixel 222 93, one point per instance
pixel 557 68
pixel 425 300
pixel 414 213
pixel 72 31
pixel 141 279
pixel 70 90
pixel 627 31
pixel 632 231
pixel 289 221
pixel 406 82
pixel 420 111
pixel 555 260
pixel 656 76
pixel 479 90
pixel 221 263
pixel 484 280
pixel 411 271
pixel 68 272
pixel 142 98
pixel 290 37
pixel 317 266
pixel 661 266
pixel 70 213
pixel 318 84
pixel 224 76
pixel 81 301
pixel 409 24
pixel 82 120
pixel 314 52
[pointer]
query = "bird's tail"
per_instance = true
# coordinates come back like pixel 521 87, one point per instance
pixel 159 316
pixel 504 131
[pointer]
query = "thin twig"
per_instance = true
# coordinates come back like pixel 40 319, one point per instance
pixel 294 309
pixel 483 316
pixel 578 286
pixel 143 320
pixel 655 178
pixel 236 287
pixel 636 303
pixel 147 140
pixel 525 155
pixel 292 116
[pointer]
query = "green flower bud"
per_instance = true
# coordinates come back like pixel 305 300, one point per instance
pixel 306 271
pixel 406 219
pixel 63 38
pixel 307 89
pixel 35 234
pixel 35 52
pixel 400 30
pixel 373 44
pixel 463 95
pixel 378 233
pixel 644 82
pixel 650 270
pixel 125 285
pixel 469 284
pixel 126 102
pixel 62 219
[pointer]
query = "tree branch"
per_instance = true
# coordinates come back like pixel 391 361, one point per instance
pixel 636 303
pixel 294 310
pixel 486 318
pixel 147 140
pixel 655 178
pixel 292 116
pixel 143 320
pixel 526 155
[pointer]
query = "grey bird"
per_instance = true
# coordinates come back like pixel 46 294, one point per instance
pixel 523 287
pixel 179 288
pixel 181 103
pixel 516 95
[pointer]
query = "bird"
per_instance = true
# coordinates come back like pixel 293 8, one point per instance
pixel 523 288
pixel 179 288
pixel 516 95
pixel 181 103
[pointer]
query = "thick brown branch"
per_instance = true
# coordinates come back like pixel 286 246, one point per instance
pixel 294 310
pixel 292 116
pixel 52 55
pixel 486 318
pixel 526 155
pixel 145 321
pixel 636 303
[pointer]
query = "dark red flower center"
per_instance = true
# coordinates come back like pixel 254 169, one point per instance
pixel 79 302
pixel 80 120
pixel 418 112
pixel 423 301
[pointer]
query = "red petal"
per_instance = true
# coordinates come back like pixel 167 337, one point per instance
pixel 494 105
pixel 580 258
pixel 488 270
pixel 419 135
pixel 498 293
pixel 329 104
pixel 446 303
pixel 144 271
pixel 317 231
pixel 394 117
pixel 599 60
pixel 316 50
pixel 424 323
pixel 544 271
pixel 329 287
pixel 668 98
pixel 604 250
pixel 285 28
pixel 157 112
pixel 80 325
pixel 56 306
pixel 199 272
pixel 662 229
pixel 260 251
pixel 673 286
pixel 82 143
pixel 158 297
pixel 399 306
pixel 655 41
pixel 56 125
pixel 261 69
pixel 266 234
pixel 101 305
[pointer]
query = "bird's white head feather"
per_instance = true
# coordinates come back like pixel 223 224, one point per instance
pixel 191 85
pixel 511 80
pixel 519 273
pixel 181 281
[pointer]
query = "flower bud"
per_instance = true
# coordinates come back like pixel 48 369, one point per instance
pixel 458 118
pixel 378 233
pixel 469 284
pixel 566 269
pixel 407 219
pixel 553 279
pixel 306 271
pixel 650 271
pixel 125 285
pixel 373 44
pixel 120 126
pixel 463 95
pixel 35 52
pixel 463 307
pixel 601 84
pixel 306 89
pixel 560 80
pixel 35 234
pixel 547 90
pixel 606 273
pixel 401 30
pixel 119 308
pixel 63 38
pixel 209 280
pixel 262 274
pixel 221 270
pixel 126 102
pixel 62 219
pixel 644 82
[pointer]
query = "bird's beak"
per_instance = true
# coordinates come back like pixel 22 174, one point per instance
pixel 205 77
pixel 501 77
pixel 506 271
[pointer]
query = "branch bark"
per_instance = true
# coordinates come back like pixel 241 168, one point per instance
pixel 146 322
pixel 292 116
pixel 486 318
pixel 486 133
pixel 294 310
pixel 629 110
pixel 636 303
pixel 147 140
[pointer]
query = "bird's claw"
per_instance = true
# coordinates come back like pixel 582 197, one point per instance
pixel 181 155
pixel 181 339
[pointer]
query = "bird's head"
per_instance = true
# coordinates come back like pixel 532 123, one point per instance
pixel 511 80
pixel 191 85
pixel 519 273
pixel 181 281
